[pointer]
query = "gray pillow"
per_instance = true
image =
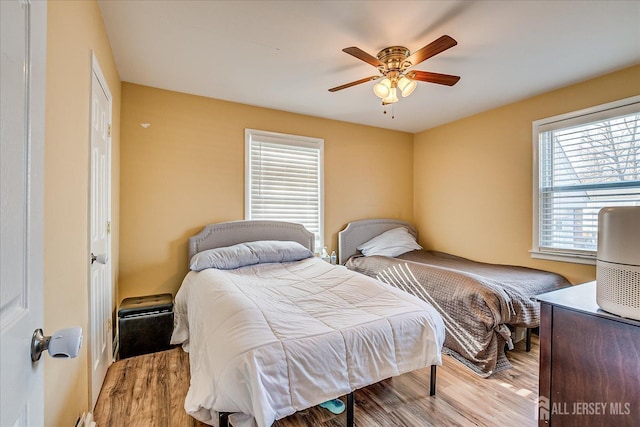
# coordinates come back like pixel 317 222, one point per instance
pixel 278 251
pixel 249 253
pixel 226 258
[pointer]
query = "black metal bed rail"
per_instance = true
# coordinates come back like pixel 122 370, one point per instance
pixel 223 417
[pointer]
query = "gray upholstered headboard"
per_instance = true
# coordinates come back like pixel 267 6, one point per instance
pixel 358 232
pixel 234 232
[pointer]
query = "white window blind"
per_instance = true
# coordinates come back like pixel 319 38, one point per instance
pixel 586 161
pixel 284 179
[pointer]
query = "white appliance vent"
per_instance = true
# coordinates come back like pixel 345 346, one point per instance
pixel 618 261
pixel 627 284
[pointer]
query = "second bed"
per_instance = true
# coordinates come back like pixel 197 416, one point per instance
pixel 478 302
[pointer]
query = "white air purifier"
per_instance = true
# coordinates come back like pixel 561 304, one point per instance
pixel 618 261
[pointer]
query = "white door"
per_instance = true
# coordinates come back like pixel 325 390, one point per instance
pixel 100 266
pixel 22 75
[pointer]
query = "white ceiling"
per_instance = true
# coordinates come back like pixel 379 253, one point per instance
pixel 285 55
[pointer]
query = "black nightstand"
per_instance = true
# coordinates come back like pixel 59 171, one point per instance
pixel 145 324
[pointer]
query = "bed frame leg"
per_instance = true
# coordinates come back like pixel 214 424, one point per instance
pixel 432 381
pixel 528 340
pixel 223 419
pixel 350 409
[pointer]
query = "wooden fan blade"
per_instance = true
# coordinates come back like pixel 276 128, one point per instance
pixel 441 79
pixel 357 82
pixel 363 56
pixel 432 49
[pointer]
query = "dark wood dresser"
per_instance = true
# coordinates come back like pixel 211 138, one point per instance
pixel 589 362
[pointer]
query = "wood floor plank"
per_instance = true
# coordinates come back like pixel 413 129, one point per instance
pixel 149 390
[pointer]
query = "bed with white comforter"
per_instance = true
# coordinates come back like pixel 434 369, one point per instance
pixel 269 339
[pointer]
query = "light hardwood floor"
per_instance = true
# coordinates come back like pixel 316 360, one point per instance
pixel 149 390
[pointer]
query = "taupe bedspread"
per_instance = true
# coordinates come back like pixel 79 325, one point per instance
pixel 476 300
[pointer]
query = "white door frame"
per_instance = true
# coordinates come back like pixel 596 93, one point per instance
pixel 24 33
pixel 96 379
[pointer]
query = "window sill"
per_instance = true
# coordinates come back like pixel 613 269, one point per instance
pixel 564 257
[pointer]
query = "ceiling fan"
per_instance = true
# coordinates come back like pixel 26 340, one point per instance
pixel 394 62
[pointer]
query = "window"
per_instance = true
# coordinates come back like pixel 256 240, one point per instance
pixel 583 161
pixel 284 179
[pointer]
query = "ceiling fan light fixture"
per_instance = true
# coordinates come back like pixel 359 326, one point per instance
pixel 382 89
pixel 393 64
pixel 391 98
pixel 406 85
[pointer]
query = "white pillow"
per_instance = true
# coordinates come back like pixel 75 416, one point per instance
pixel 391 243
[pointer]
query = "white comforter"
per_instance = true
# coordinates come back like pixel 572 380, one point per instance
pixel 272 339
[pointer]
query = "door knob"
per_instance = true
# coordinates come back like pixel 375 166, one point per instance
pixel 100 258
pixel 64 343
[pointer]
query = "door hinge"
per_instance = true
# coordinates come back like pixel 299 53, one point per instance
pixel 109 130
pixel 108 324
pixel 108 227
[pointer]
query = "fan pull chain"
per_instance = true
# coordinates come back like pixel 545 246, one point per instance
pixel 384 110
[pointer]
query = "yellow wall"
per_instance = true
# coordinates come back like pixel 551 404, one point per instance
pixel 74 29
pixel 187 170
pixel 466 185
pixel 473 177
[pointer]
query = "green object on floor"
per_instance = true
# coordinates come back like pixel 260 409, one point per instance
pixel 335 405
